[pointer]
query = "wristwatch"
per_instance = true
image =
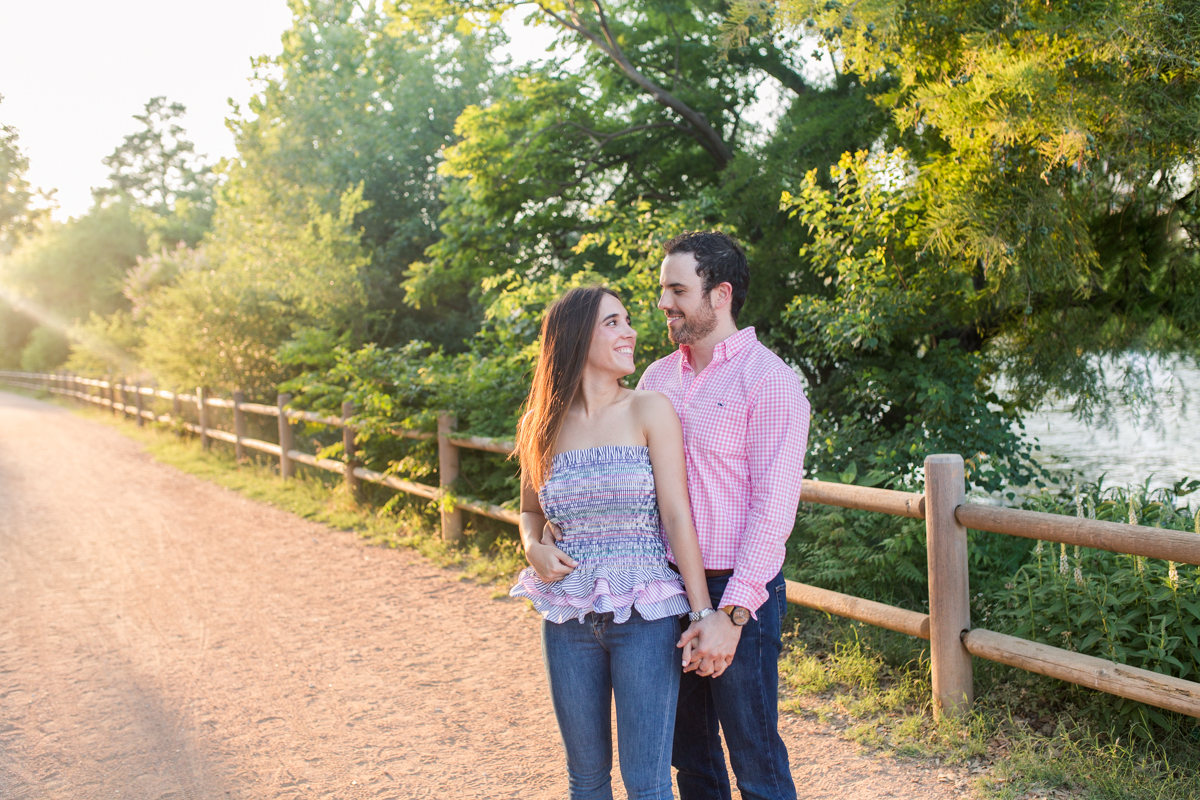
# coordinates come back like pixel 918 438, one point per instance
pixel 696 616
pixel 739 615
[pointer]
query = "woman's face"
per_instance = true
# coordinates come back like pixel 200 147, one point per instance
pixel 613 339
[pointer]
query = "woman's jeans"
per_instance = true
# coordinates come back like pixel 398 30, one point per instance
pixel 636 662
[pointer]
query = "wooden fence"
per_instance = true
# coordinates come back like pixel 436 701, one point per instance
pixel 943 506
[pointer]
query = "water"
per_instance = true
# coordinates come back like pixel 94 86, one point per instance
pixel 1164 451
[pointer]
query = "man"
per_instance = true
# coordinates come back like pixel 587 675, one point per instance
pixel 745 424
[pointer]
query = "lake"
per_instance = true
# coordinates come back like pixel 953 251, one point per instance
pixel 1165 450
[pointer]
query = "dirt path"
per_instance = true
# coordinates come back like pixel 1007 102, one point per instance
pixel 163 637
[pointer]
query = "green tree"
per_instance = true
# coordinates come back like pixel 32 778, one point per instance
pixel 76 267
pixel 1053 152
pixel 18 218
pixel 890 377
pixel 46 349
pixel 74 272
pixel 358 97
pixel 156 170
pixel 641 102
pixel 262 276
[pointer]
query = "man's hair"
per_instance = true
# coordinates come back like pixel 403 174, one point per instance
pixel 719 259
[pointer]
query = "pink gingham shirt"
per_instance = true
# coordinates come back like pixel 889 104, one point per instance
pixel 745 429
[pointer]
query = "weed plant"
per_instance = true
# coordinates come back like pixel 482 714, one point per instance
pixel 882 557
pixel 1027 735
pixel 1128 609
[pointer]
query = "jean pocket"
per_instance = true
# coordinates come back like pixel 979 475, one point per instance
pixel 781 602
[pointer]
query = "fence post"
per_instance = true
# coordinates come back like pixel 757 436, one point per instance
pixel 286 468
pixel 137 393
pixel 200 407
pixel 239 425
pixel 949 590
pixel 177 413
pixel 353 484
pixel 452 526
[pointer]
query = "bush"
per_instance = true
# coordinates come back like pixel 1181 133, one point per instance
pixel 46 349
pixel 1127 609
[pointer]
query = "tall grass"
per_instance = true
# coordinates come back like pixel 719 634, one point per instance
pixel 490 553
pixel 1128 609
pixel 1028 735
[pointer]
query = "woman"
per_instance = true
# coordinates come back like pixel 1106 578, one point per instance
pixel 605 464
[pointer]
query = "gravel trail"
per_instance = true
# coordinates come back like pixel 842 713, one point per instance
pixel 162 637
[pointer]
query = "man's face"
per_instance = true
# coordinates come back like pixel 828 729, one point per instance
pixel 690 315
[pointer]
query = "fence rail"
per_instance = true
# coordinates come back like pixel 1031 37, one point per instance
pixel 943 506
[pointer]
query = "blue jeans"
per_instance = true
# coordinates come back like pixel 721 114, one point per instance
pixel 744 704
pixel 636 662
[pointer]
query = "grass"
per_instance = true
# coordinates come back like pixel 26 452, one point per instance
pixel 1027 736
pixel 490 554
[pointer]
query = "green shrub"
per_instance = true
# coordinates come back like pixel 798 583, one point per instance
pixel 46 349
pixel 1128 609
pixel 882 557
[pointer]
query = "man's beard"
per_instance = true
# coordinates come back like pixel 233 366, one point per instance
pixel 695 326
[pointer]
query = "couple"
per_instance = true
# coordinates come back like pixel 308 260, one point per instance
pixel 685 633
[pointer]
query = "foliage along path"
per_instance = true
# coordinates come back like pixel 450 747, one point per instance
pixel 165 637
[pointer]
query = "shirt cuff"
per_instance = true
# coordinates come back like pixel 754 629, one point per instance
pixel 746 594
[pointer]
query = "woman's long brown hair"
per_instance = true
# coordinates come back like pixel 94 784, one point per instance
pixel 566 337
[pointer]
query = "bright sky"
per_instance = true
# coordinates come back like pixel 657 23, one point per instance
pixel 74 72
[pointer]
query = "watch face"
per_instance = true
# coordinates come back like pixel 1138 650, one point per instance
pixel 740 615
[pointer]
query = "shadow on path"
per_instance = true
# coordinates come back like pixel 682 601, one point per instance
pixel 164 637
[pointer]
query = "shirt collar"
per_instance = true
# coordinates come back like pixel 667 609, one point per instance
pixel 726 349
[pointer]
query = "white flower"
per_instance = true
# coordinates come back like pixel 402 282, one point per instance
pixel 1078 575
pixel 1063 566
pixel 1037 551
pixel 1172 574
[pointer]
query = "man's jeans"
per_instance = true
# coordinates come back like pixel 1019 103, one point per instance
pixel 745 703
pixel 636 662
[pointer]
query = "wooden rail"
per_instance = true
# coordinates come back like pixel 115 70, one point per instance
pixel 942 505
pixel 109 390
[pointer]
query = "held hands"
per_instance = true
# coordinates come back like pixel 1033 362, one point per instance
pixel 709 645
pixel 550 563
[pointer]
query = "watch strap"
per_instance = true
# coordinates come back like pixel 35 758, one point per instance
pixel 739 615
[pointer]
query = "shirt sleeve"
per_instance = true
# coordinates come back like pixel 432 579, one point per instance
pixel 776 440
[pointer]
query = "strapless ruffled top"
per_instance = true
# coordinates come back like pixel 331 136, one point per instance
pixel 603 498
